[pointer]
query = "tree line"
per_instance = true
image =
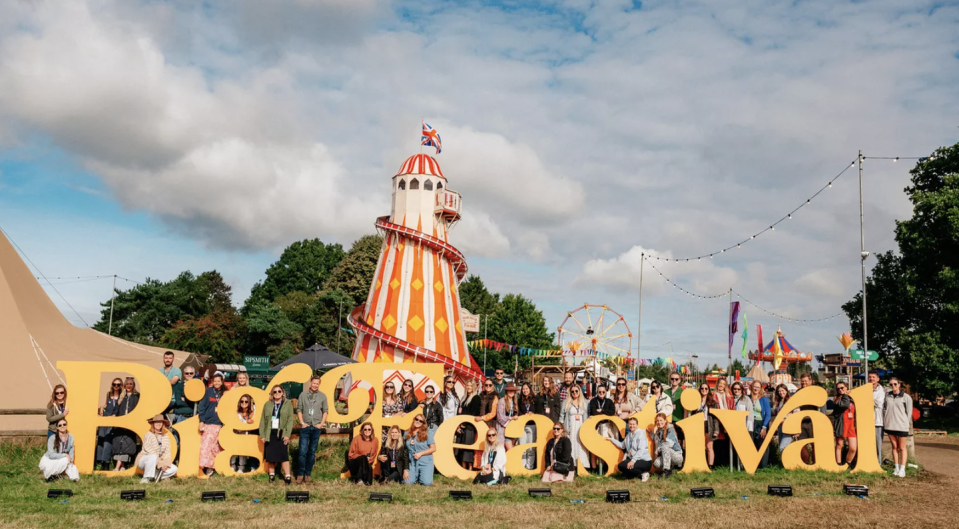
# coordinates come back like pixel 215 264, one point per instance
pixel 304 299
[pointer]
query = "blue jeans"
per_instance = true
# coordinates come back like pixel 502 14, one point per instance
pixel 421 471
pixel 784 440
pixel 309 437
pixel 764 461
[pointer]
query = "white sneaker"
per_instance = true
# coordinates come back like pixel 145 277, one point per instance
pixel 902 472
pixel 145 480
pixel 239 471
pixel 645 477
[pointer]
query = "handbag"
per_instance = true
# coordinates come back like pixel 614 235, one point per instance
pixel 561 467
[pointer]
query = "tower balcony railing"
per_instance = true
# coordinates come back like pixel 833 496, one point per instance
pixel 447 204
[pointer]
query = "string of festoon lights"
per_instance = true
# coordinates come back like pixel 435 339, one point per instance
pixel 724 294
pixel 789 215
pixel 61 280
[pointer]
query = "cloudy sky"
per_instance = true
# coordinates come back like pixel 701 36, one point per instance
pixel 146 138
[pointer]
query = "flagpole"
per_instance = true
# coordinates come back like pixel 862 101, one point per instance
pixel 639 325
pixel 729 330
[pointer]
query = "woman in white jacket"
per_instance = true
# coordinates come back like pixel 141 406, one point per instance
pixel 493 461
pixel 58 460
pixel 664 404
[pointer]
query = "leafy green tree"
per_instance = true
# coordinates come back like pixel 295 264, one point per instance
pixel 271 332
pixel 475 298
pixel 145 312
pixel 517 321
pixel 219 334
pixel 914 295
pixel 354 273
pixel 304 266
pixel 738 365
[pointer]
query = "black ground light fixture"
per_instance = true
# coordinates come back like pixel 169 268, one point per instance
pixel 461 495
pixel 56 493
pixel 855 490
pixel 213 495
pixel 779 490
pixel 298 496
pixel 617 496
pixel 381 496
pixel 133 494
pixel 540 493
pixel 702 492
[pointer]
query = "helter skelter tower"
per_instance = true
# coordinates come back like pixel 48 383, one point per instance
pixel 412 313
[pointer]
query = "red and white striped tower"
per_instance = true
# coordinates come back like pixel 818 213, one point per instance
pixel 412 313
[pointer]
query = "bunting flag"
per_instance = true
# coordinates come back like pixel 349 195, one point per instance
pixel 745 334
pixel 590 353
pixel 733 324
pixel 777 349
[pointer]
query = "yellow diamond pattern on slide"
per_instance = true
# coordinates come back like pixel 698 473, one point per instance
pixel 389 321
pixel 378 284
pixel 394 283
pixel 458 328
pixel 416 284
pixel 438 285
pixel 441 325
pixel 400 247
pixel 415 323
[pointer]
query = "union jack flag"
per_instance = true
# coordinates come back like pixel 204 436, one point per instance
pixel 431 138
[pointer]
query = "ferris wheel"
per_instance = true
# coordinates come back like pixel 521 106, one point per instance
pixel 596 327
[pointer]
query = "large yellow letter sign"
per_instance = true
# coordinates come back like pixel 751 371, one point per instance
pixel 694 429
pixel 596 444
pixel 83 379
pixel 515 430
pixel 867 460
pixel 445 459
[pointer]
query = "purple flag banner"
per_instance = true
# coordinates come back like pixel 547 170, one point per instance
pixel 733 324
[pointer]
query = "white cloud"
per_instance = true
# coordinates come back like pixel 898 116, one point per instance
pixel 477 234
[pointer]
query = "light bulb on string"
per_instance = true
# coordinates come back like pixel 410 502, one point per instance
pixel 772 228
pixel 896 159
pixel 790 215
pixel 830 184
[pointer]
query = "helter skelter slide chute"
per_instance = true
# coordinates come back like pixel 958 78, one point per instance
pixel 412 313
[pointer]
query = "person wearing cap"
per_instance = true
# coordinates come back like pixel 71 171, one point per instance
pixel 156 454
pixel 507 410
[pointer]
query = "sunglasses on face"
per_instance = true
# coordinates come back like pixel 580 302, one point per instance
pixel 449 382
pixel 62 425
pixel 620 384
pixel 737 389
pixel 189 373
pixel 390 386
pixel 244 402
pixel 487 385
pixel 490 436
pixel 60 393
pixel 674 379
pixel 429 392
pixel 417 421
pixel 117 384
pixel 557 429
pixel 277 392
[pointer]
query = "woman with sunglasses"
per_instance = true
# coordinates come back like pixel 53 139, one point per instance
pixel 431 409
pixel 157 453
pixel 244 411
pixel 394 459
pixel 448 399
pixel 392 405
pixel 574 414
pixel 57 408
pixel 664 404
pixel 602 405
pixel 844 424
pixel 493 468
pixel 408 398
pixel 58 459
pixel 276 427
pixel 625 402
pixel 559 457
pixel 669 453
pixel 466 433
pixel 210 423
pixel 105 433
pixel 362 454
pixel 124 441
pixel 489 404
pixel 742 402
pixel 547 402
pixel 420 447
pixel 762 415
pixel 896 421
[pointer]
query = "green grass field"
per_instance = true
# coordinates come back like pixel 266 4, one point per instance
pixel 740 501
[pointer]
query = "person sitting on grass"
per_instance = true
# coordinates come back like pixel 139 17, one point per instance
pixel 394 459
pixel 493 460
pixel 636 460
pixel 362 455
pixel 668 451
pixel 559 457
pixel 58 460
pixel 156 453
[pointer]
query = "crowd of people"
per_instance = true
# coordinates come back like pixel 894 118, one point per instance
pixel 394 455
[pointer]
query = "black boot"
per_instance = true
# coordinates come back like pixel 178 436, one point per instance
pixel 667 474
pixel 272 478
pixel 288 480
